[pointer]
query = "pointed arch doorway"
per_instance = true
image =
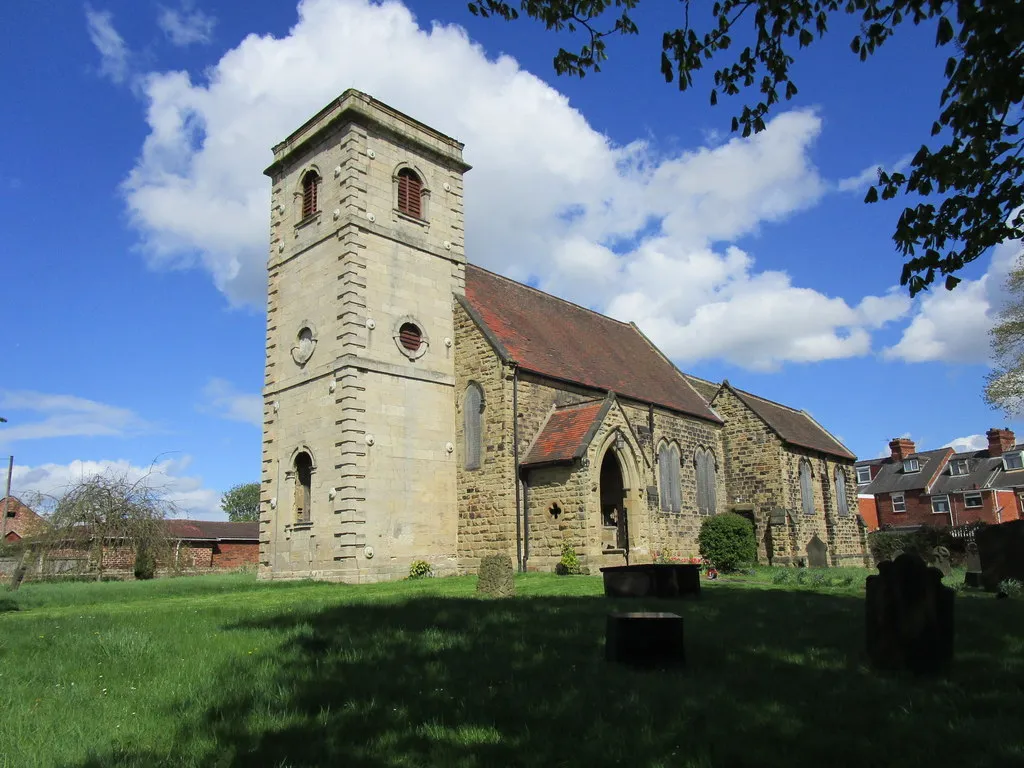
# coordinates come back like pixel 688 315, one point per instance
pixel 614 514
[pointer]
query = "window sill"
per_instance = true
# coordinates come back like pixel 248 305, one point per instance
pixel 411 219
pixel 303 526
pixel 308 220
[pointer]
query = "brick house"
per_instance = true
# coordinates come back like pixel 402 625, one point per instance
pixel 419 407
pixel 18 521
pixel 216 545
pixel 940 487
pixel 194 545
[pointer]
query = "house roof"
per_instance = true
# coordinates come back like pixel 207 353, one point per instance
pixel 793 426
pixel 567 433
pixel 561 340
pixel 891 477
pixel 24 522
pixel 211 530
pixel 981 470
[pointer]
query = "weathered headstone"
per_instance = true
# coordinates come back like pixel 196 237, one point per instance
pixel 817 553
pixel 1001 548
pixel 973 563
pixel 496 577
pixel 909 617
pixel 644 639
pixel 941 560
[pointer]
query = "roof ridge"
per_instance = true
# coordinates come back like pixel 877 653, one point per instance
pixel 548 295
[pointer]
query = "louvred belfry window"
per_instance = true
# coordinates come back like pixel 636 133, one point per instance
pixel 410 193
pixel 410 336
pixel 310 184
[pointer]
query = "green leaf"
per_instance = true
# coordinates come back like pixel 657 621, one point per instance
pixel 806 38
pixel 714 97
pixel 945 31
pixel 872 196
pixel 951 282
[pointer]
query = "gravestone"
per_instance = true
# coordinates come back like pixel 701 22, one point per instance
pixel 817 553
pixel 909 617
pixel 1001 548
pixel 941 560
pixel 496 577
pixel 644 639
pixel 973 563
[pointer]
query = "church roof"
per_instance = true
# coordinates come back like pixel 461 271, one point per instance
pixel 793 426
pixel 556 338
pixel 567 433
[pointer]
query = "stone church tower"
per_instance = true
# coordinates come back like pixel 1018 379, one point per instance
pixel 366 251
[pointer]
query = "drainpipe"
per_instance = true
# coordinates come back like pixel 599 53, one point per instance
pixel 515 459
pixel 526 524
pixel 650 426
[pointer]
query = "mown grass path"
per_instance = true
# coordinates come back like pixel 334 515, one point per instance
pixel 229 671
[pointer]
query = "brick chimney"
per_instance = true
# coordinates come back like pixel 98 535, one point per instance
pixel 1000 440
pixel 901 447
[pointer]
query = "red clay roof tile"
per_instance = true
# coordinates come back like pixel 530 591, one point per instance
pixel 556 338
pixel 563 436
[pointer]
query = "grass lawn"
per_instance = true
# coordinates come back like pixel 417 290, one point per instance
pixel 228 671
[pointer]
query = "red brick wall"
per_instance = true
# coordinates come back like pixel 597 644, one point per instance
pixel 227 555
pixel 868 508
pixel 919 509
pixel 1010 504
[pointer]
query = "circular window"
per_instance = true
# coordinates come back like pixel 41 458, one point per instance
pixel 305 343
pixel 410 336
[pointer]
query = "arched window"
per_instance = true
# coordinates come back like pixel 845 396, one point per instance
pixel 842 505
pixel 303 487
pixel 310 188
pixel 704 460
pixel 806 487
pixel 472 409
pixel 668 478
pixel 410 193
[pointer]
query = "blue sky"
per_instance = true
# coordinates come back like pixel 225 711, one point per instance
pixel 136 219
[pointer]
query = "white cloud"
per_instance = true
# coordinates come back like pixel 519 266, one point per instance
pixel 645 235
pixel 952 326
pixel 186 26
pixel 869 175
pixel 63 416
pixel 167 477
pixel 222 398
pixel 114 54
pixel 968 443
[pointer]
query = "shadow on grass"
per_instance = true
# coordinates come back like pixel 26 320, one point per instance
pixel 773 678
pixel 7 604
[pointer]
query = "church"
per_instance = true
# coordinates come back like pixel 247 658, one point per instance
pixel 418 407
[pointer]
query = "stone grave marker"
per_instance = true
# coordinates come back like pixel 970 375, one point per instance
pixel 817 553
pixel 973 563
pixel 909 617
pixel 941 560
pixel 1001 548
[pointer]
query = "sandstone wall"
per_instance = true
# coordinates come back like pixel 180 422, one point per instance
pixel 486 495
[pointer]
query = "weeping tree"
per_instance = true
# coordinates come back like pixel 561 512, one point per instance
pixel 109 513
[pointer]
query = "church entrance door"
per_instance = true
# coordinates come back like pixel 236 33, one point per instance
pixel 614 520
